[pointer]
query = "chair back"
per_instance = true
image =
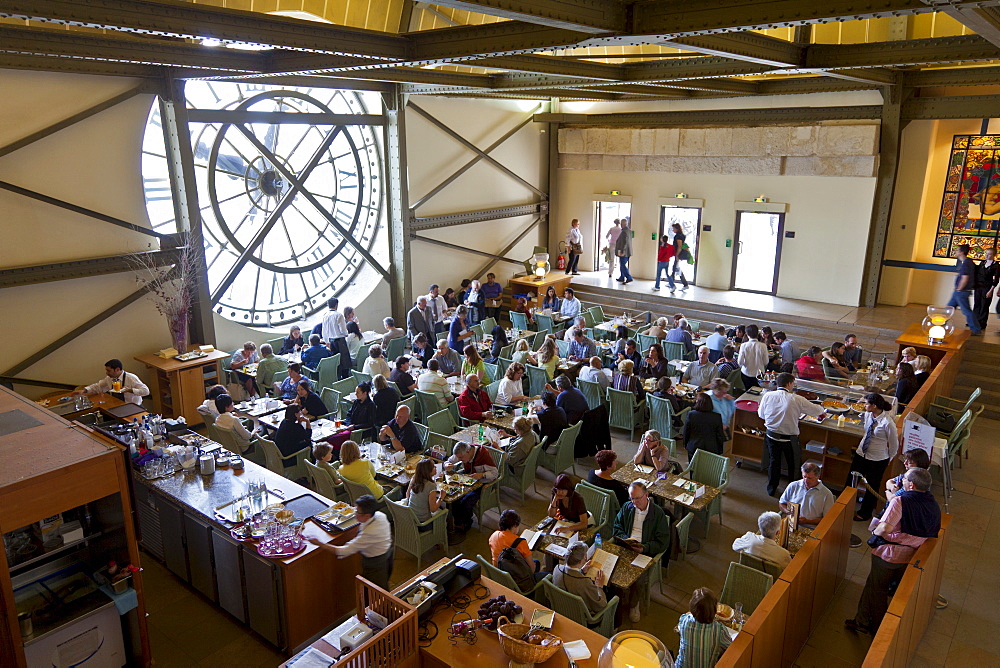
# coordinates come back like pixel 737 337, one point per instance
pixel 588 319
pixel 497 575
pixel 503 363
pixel 539 339
pixel 477 334
pixel 661 415
pixel 506 352
pixel 530 470
pixel 361 377
pixel 423 432
pixel 276 344
pixel 440 422
pixel 404 524
pixel 597 312
pixel 272 455
pixel 519 320
pixel 488 324
pixel 227 439
pixel 410 402
pixel 735 379
pixel 972 397
pixel 545 323
pixel 695 325
pixel 362 355
pixel 278 377
pixel 592 390
pixel 346 388
pixel 562 347
pixel 597 502
pixel 427 401
pixel 566 604
pixel 354 489
pixel 395 348
pixel 622 413
pixel 492 372
pixel 537 378
pixel 714 356
pixel 208 418
pixel 492 389
pixel 327 371
pixel 645 341
pixel 331 399
pixel 322 481
pixel 440 336
pixel 561 455
pixel 683 527
pixel 709 468
pixel 673 350
pixel 763 565
pixel 745 585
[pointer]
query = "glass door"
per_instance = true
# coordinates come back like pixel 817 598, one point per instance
pixel 689 218
pixel 757 251
pixel 605 214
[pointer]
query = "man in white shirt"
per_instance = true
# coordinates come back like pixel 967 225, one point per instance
pixel 763 544
pixel 595 373
pixel 373 542
pixel 335 335
pixel 571 306
pixel 811 495
pixel 438 306
pixel 432 381
pixel 579 323
pixel 752 358
pixel 124 385
pixel 612 237
pixel 780 411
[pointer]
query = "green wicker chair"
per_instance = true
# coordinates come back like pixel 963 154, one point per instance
pixel 489 494
pixel 441 422
pixel 772 568
pixel 588 319
pixel 625 411
pixel 361 377
pixel 562 347
pixel 362 355
pixel 572 607
pixel 395 348
pixel 597 504
pixel 661 416
pixel 503 363
pixel 325 484
pixel 593 391
pixel 561 455
pixel 645 341
pixel 538 340
pixel 408 536
pixel 545 323
pixel 537 379
pixel 695 325
pixel 440 336
pixel 291 467
pixel 346 388
pixel 708 468
pixel 528 477
pixel 427 403
pixel 331 399
pixel 327 372
pixel 597 313
pixel 276 344
pixel 519 320
pixel 492 372
pixel 492 389
pixel 673 350
pixel 507 351
pixel 503 577
pixel 745 585
pixel 488 324
pixel 683 527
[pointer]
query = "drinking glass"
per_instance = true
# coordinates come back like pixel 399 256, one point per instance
pixel 738 614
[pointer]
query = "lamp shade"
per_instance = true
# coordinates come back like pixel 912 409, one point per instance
pixel 937 325
pixel 635 649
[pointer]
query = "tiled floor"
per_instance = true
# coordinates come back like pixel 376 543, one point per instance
pixel 185 630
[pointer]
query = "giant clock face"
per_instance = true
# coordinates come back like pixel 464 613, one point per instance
pixel 292 212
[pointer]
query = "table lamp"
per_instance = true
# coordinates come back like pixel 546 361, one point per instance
pixel 937 325
pixel 541 262
pixel 634 649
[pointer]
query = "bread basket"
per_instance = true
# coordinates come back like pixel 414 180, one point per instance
pixel 522 652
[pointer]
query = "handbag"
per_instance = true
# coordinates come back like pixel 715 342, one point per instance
pixel 576 248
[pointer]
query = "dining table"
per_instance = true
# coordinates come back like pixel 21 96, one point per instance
pixel 669 487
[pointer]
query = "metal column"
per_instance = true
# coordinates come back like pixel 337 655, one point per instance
pixel 397 202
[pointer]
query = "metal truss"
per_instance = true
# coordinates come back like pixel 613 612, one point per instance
pixel 962 106
pixel 465 249
pixel 62 271
pixel 592 16
pixel 466 217
pixel 719 118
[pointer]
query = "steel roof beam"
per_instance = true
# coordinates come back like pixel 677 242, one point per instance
pixel 20 61
pixel 964 48
pixel 958 76
pixel 958 106
pixel 591 16
pixel 718 117
pixel 985 21
pixel 485 41
pixel 879 77
pixel 551 65
pixel 814 84
pixel 747 46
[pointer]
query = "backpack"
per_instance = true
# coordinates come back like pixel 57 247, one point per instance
pixel 514 564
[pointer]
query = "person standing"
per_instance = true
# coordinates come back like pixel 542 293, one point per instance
pixel 623 251
pixel 987 278
pixel 612 237
pixel 335 335
pixel 664 253
pixel 438 307
pixel 574 244
pixel 117 382
pixel 374 542
pixel 876 450
pixel 681 252
pixel 492 292
pixel 752 358
pixel 965 283
pixel 780 411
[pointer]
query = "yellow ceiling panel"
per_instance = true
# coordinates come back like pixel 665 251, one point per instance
pixel 936 24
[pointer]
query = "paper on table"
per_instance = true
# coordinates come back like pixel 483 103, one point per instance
pixel 699 492
pixel 732 632
pixel 680 482
pixel 684 499
pixel 311 658
pixel 560 524
pixel 643 469
pixel 557 550
pixel 531 537
pixel 642 561
pixel 576 650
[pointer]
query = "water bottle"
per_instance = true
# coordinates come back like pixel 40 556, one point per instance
pixel 480 432
pixel 598 542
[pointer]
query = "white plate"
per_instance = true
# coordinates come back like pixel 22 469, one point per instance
pixel 857 387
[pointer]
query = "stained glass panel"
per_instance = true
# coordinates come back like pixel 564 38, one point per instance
pixel 970 205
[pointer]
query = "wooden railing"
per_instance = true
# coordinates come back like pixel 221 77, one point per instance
pixel 396 644
pixel 778 629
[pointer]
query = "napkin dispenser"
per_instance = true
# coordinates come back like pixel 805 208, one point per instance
pixel 348 635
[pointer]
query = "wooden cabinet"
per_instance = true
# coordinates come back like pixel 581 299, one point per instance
pixel 178 388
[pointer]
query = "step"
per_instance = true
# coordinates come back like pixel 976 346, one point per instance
pixel 990 398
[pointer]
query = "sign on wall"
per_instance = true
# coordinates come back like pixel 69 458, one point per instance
pixel 970 209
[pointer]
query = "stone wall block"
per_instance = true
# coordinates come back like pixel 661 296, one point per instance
pixel 801 140
pixel 847 140
pixel 595 141
pixel 614 163
pixel 595 162
pixel 635 163
pixel 574 161
pixel 667 141
pixel 619 141
pixel 644 142
pixel 692 141
pixel 859 166
pixel 571 140
pixel 718 141
pixel 746 142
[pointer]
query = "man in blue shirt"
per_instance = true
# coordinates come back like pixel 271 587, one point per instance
pixel 312 355
pixel 680 335
pixel 571 399
pixel 964 285
pixel 716 342
pixel 788 351
pixel 581 348
pixel 492 292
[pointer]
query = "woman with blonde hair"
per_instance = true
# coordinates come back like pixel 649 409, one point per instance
pixel 921 369
pixel 522 353
pixel 358 470
pixel 625 380
pixel 548 357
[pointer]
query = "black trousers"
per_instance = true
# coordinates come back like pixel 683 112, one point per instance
pixel 776 449
pixel 872 471
pixel 574 262
pixel 875 596
pixel 981 306
pixel 346 363
pixel 378 570
pixel 749 381
pixel 463 510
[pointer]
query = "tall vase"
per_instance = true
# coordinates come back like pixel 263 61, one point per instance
pixel 178 324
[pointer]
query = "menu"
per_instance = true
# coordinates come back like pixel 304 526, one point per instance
pixel 602 562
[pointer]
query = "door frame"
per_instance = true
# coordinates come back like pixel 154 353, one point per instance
pixel 595 232
pixel 777 252
pixel 695 204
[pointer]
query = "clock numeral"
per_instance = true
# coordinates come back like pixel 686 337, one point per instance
pixel 279 292
pixel 346 179
pixel 156 188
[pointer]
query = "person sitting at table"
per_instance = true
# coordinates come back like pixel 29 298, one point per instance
pixel 458 331
pixel 292 343
pixel 570 306
pixel 703 638
pixel 358 470
pixel 582 347
pixel 473 363
pixel 511 390
pixel 663 391
pixel 786 348
pixel 813 497
pixel 763 544
pixel 499 343
pixel 548 357
pixel 315 353
pixel 522 353
pixel 852 352
pixel 521 306
pixel 310 402
pixel 570 399
pixel 373 542
pixel 716 342
pixel 323 455
pixel 767 337
pixel 362 414
pixel 551 302
pixel 603 475
pixel 401 433
pixel 727 363
pixel 655 365
pixel 401 376
pixel 701 371
pixel 474 402
pixel 476 462
pixel 421 349
pixel 386 398
pixel 907 355
pixel 681 334
pixel 643 527
pixel 422 495
pixel 432 381
pixel 449 363
pixel 507 533
pixel 678 318
pixel 659 329
pixel 207 408
pixel 808 366
pixel 391 331
pixel 631 353
pixel 287 389
pixel 375 364
pixel 227 420
pixel 833 364
pixel 268 366
pixel 921 369
pixel 739 336
pixel 571 577
pixel 520 446
pixel 241 358
pixel 567 505
pixel 722 402
pixel 578 323
pixel 551 419
pixel 908 521
pixel 594 373
pixel 626 381
pixel 652 452
pixel 906 386
pixel 294 432
pixel 621 342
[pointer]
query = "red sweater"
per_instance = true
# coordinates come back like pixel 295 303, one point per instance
pixel 471 405
pixel 665 253
pixel 809 370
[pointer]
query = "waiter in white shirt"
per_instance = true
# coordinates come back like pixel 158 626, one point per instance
pixel 335 335
pixel 752 358
pixel 126 386
pixel 780 411
pixel 373 542
pixel 438 307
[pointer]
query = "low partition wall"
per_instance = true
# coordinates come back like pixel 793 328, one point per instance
pixel 771 636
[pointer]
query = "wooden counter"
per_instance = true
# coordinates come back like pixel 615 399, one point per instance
pixel 914 337
pixel 178 388
pixel 529 284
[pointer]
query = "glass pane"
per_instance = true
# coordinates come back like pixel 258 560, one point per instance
pixel 757 248
pixel 687 218
pixel 607 213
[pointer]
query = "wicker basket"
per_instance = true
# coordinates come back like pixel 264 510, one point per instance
pixel 521 651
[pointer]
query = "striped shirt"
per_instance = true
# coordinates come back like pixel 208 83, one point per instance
pixel 701 644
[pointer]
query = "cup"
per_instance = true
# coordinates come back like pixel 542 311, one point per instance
pixel 116 386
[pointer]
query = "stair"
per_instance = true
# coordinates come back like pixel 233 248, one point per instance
pixel 981 368
pixel 803 331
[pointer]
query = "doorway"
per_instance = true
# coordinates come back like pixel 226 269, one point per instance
pixel 757 251
pixel 689 218
pixel 605 214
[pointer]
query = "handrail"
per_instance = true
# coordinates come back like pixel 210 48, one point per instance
pixel 14 380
